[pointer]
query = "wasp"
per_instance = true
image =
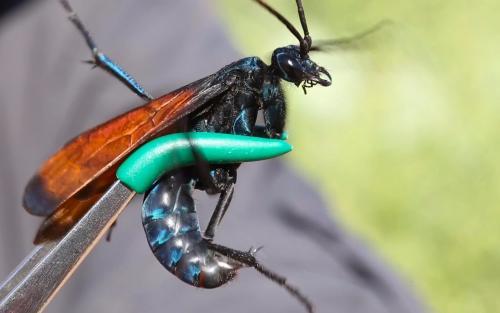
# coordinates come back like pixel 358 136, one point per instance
pixel 228 101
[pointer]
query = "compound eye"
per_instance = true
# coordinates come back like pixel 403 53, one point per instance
pixel 290 68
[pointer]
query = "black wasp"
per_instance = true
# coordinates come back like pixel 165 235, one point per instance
pixel 225 102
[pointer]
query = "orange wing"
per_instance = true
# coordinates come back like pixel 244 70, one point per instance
pixel 76 176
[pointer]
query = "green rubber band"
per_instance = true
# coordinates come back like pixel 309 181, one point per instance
pixel 149 162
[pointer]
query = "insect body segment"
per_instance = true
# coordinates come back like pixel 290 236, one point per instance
pixel 173 233
pixel 253 87
pixel 296 68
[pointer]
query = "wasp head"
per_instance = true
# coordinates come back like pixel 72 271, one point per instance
pixel 291 64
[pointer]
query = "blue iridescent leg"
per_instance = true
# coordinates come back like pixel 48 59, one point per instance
pixel 103 61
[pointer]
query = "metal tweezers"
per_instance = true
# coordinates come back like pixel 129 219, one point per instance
pixel 37 279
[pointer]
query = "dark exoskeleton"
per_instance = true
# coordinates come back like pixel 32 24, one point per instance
pixel 241 90
pixel 254 86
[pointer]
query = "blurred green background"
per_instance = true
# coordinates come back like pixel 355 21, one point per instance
pixel 405 142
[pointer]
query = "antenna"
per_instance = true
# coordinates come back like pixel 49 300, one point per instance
pixel 303 22
pixel 349 42
pixel 305 42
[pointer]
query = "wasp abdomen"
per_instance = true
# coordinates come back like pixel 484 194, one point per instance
pixel 173 232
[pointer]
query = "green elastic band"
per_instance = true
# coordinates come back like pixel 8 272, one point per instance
pixel 149 162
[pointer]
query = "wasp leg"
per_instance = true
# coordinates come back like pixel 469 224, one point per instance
pixel 219 211
pixel 222 181
pixel 274 107
pixel 103 61
pixel 213 180
pixel 219 180
pixel 248 258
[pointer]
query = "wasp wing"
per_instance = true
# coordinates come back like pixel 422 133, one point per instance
pixel 69 182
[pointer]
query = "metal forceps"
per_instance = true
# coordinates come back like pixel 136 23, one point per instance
pixel 43 272
pixel 37 279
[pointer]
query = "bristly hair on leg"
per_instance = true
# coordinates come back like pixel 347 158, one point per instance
pixel 248 258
